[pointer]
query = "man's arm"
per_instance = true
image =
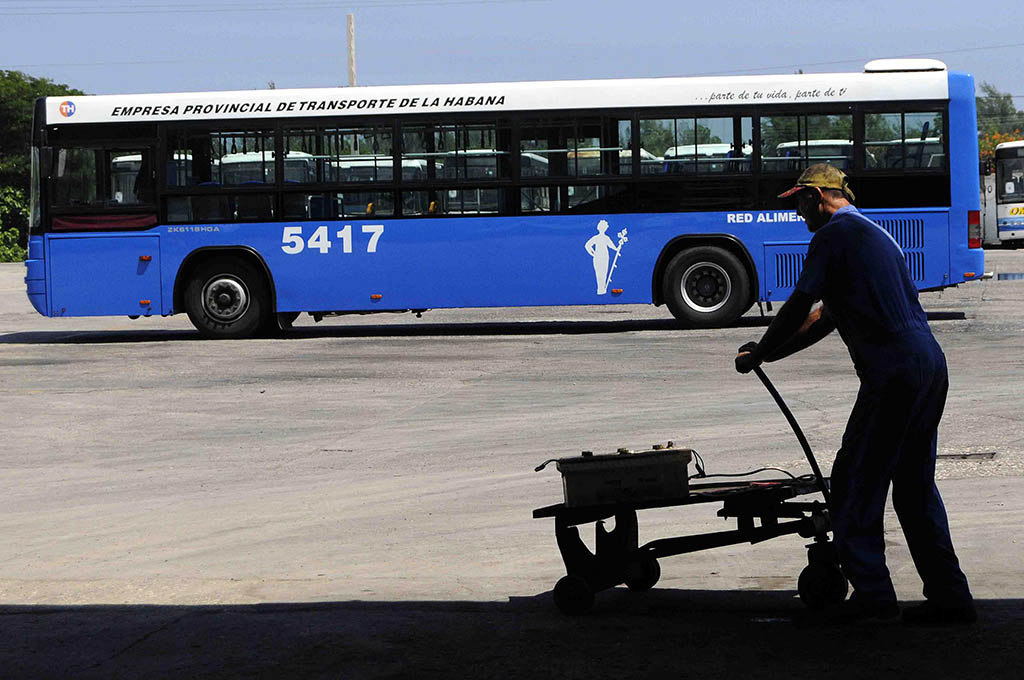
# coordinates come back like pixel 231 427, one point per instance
pixel 790 320
pixel 817 326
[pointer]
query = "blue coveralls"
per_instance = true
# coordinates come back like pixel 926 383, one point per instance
pixel 859 272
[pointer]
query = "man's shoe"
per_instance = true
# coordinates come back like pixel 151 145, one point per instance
pixel 940 614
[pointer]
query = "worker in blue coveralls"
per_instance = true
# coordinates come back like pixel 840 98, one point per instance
pixel 859 273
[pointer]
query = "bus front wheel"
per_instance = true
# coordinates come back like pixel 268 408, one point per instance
pixel 706 286
pixel 227 298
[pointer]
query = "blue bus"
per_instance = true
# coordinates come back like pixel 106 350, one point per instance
pixel 245 209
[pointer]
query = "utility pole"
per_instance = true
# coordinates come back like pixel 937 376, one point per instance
pixel 351 50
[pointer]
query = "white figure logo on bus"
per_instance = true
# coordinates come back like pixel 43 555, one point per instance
pixel 597 247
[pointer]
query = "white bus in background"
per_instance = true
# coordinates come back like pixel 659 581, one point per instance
pixel 1002 197
pixel 708 158
pixel 837 152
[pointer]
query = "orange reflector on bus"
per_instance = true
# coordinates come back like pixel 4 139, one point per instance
pixel 144 303
pixel 376 296
pixel 616 291
pixel 146 258
pixel 968 275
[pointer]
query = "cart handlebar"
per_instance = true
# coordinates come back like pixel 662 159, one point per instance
pixel 798 432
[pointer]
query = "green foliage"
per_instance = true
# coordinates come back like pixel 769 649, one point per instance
pixel 10 250
pixel 18 93
pixel 13 222
pixel 996 112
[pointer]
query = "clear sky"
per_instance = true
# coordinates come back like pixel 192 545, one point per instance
pixel 119 46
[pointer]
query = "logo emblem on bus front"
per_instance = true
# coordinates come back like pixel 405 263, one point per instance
pixel 597 247
pixel 67 109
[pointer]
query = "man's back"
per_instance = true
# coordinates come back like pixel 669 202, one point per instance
pixel 859 272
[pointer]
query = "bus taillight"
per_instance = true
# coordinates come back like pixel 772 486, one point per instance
pixel 973 228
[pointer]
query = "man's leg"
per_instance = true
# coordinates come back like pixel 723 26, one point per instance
pixel 917 501
pixel 860 483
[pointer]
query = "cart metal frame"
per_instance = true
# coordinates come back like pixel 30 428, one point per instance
pixel 763 510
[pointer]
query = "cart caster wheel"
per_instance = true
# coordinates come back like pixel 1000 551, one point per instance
pixel 573 595
pixel 822 585
pixel 641 576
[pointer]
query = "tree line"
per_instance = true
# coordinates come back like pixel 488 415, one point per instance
pixel 18 93
pixel 999 120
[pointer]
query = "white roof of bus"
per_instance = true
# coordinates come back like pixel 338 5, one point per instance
pixel 1010 145
pixel 375 161
pixel 257 157
pixel 838 88
pixel 705 149
pixel 816 142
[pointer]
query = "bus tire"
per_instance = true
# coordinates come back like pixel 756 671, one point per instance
pixel 706 286
pixel 227 297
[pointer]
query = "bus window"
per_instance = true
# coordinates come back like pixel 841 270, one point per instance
pixel 546 146
pixel 695 145
pixel 94 177
pixel 597 199
pixel 74 179
pixel 362 169
pixel 417 148
pixel 469 152
pixel 468 201
pixel 791 143
pixel 366 204
pixel 661 137
pixel 1009 177
pixel 584 156
pixel 328 150
pixel 708 145
pixel 573 148
pixel 471 164
pixel 471 201
pixel 538 200
pixel 904 141
pixel 625 128
pixel 221 158
pixel 923 135
pixel 883 134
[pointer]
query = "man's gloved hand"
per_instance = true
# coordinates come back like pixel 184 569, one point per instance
pixel 747 359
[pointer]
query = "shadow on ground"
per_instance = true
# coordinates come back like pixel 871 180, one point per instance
pixel 659 634
pixel 398 330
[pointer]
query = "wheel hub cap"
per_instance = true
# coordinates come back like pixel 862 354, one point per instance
pixel 705 287
pixel 225 299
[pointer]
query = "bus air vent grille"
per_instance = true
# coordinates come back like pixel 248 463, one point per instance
pixel 787 269
pixel 915 261
pixel 909 233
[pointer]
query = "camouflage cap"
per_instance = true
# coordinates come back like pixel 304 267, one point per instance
pixel 824 176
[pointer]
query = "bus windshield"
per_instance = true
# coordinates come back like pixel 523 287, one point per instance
pixel 1010 179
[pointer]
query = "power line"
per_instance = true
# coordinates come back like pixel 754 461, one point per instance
pixel 407 3
pixel 247 8
pixel 860 60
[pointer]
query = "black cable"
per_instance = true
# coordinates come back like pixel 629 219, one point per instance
pixel 698 463
pixel 745 474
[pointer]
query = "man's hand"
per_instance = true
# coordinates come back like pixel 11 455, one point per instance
pixel 747 359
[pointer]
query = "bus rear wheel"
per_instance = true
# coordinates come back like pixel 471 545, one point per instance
pixel 227 297
pixel 706 286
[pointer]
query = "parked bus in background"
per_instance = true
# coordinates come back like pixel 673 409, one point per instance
pixel 1002 196
pixel 245 209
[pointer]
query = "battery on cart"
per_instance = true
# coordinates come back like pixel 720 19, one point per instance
pixel 658 474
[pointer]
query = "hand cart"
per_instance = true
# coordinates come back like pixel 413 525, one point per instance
pixel 763 510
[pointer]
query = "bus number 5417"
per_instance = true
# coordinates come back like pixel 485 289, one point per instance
pixel 292 241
